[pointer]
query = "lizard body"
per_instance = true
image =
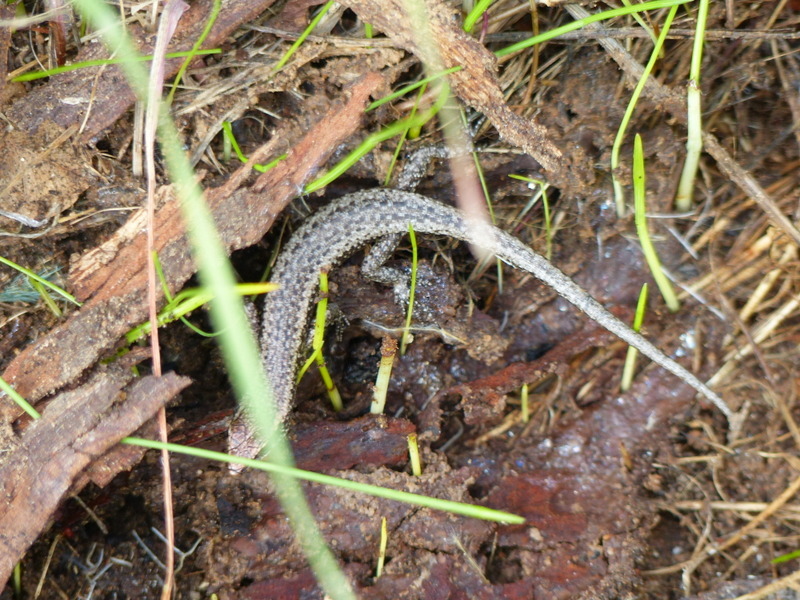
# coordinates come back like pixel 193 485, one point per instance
pixel 347 224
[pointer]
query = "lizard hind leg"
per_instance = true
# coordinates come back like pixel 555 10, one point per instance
pixel 374 268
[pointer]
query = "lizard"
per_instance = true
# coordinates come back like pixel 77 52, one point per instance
pixel 347 224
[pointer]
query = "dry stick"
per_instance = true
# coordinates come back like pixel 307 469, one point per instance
pixel 788 582
pixel 675 105
pixel 713 549
pixel 760 334
pixel 626 33
pixel 789 83
pixel 749 186
pixel 791 510
pixel 167 25
pixel 770 510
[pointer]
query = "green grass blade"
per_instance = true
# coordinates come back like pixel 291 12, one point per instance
pixel 306 32
pixel 619 194
pixel 475 14
pixel 650 254
pixel 411 87
pixel 694 108
pixel 633 353
pixel 48 284
pixel 230 139
pixel 607 14
pixel 372 140
pixel 107 61
pixel 459 508
pixel 238 345
pixel 19 400
pixel 212 18
pixel 411 291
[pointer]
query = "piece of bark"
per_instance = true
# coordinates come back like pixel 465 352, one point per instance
pixel 264 549
pixel 77 427
pixel 104 90
pixel 6 14
pixel 366 441
pixel 119 458
pixel 116 294
pixel 476 83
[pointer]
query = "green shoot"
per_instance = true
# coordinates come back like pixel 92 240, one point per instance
pixel 19 400
pixel 34 277
pixel 639 186
pixel 159 269
pixel 785 557
pixel 608 14
pixel 372 140
pixel 306 32
pixel 230 142
pixel 317 344
pixel 475 14
pixel 638 18
pixel 194 299
pixel 107 61
pixel 694 140
pixel 403 137
pixel 548 224
pixel 619 194
pixel 22 289
pixel 319 324
pixel 212 18
pixel 633 353
pixel 458 508
pixel 16 579
pixel 413 455
pixel 525 408
pixel 330 387
pixel 319 338
pixel 410 88
pixel 406 339
pixel 381 388
pixel 189 300
pixel 382 548
pixel 46 297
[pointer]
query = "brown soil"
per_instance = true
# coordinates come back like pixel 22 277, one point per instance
pixel 643 494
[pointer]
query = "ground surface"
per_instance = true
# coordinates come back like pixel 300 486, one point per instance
pixel 647 493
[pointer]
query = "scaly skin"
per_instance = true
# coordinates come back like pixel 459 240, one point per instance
pixel 349 223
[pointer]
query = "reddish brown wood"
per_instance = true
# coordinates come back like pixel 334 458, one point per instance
pixel 77 428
